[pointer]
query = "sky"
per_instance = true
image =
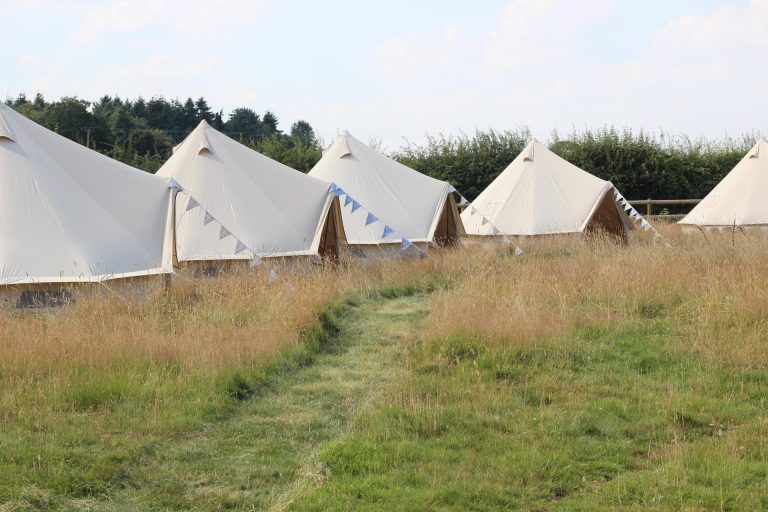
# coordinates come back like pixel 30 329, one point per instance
pixel 395 71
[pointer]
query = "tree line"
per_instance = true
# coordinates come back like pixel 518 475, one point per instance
pixel 143 132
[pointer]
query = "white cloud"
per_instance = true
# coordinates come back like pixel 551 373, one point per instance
pixel 162 65
pixel 545 63
pixel 29 61
pixel 197 17
pixel 704 71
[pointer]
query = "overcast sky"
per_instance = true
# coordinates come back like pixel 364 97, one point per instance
pixel 402 68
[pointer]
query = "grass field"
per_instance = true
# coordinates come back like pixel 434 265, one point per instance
pixel 580 376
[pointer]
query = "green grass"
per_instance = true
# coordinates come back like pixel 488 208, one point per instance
pixel 257 452
pixel 600 419
pixel 371 413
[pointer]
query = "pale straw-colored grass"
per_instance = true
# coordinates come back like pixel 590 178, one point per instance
pixel 711 290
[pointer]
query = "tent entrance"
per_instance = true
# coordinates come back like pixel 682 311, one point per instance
pixel 607 219
pixel 448 228
pixel 333 237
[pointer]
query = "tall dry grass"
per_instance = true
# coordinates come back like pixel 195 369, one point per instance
pixel 711 290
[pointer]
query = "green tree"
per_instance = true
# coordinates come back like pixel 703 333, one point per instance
pixel 243 123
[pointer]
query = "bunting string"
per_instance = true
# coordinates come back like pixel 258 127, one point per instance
pixel 638 219
pixel 370 218
pixel 240 246
pixel 505 241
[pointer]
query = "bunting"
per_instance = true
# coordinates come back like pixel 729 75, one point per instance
pixel 240 246
pixel 638 219
pixel 370 218
pixel 192 204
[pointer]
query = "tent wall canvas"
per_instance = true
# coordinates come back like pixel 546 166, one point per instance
pixel 409 202
pixel 540 193
pixel 233 195
pixel 739 199
pixel 71 215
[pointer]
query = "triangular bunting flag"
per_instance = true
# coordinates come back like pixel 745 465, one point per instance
pixel 484 222
pixel 506 242
pixel 334 187
pixel 208 219
pixel 472 210
pixel 192 204
pixel 240 247
pixel 256 261
pixel 273 276
pixel 422 255
pixel 370 219
pixel 494 230
pixel 406 244
pixel 223 232
pixel 347 200
pixel 355 205
pixel 518 251
pixel 172 183
pixel 387 232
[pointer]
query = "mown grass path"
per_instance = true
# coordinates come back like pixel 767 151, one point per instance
pixel 267 453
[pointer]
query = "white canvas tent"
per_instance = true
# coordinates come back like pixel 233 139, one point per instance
pixel 71 215
pixel 237 204
pixel 739 199
pixel 414 206
pixel 540 193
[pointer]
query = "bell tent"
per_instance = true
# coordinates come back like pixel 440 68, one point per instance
pixel 386 204
pixel 540 193
pixel 739 199
pixel 71 215
pixel 237 205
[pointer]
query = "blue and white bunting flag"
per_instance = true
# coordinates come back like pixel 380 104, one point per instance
pixel 172 183
pixel 192 204
pixel 208 219
pixel 484 222
pixel 347 200
pixel 422 254
pixel 370 219
pixel 240 247
pixel 355 205
pixel 387 232
pixel 256 261
pixel 223 232
pixel 406 244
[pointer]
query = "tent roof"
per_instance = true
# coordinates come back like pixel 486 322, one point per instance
pixel 402 198
pixel 69 214
pixel 740 197
pixel 538 193
pixel 272 209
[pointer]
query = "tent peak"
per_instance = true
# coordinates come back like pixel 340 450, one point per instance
pixel 345 150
